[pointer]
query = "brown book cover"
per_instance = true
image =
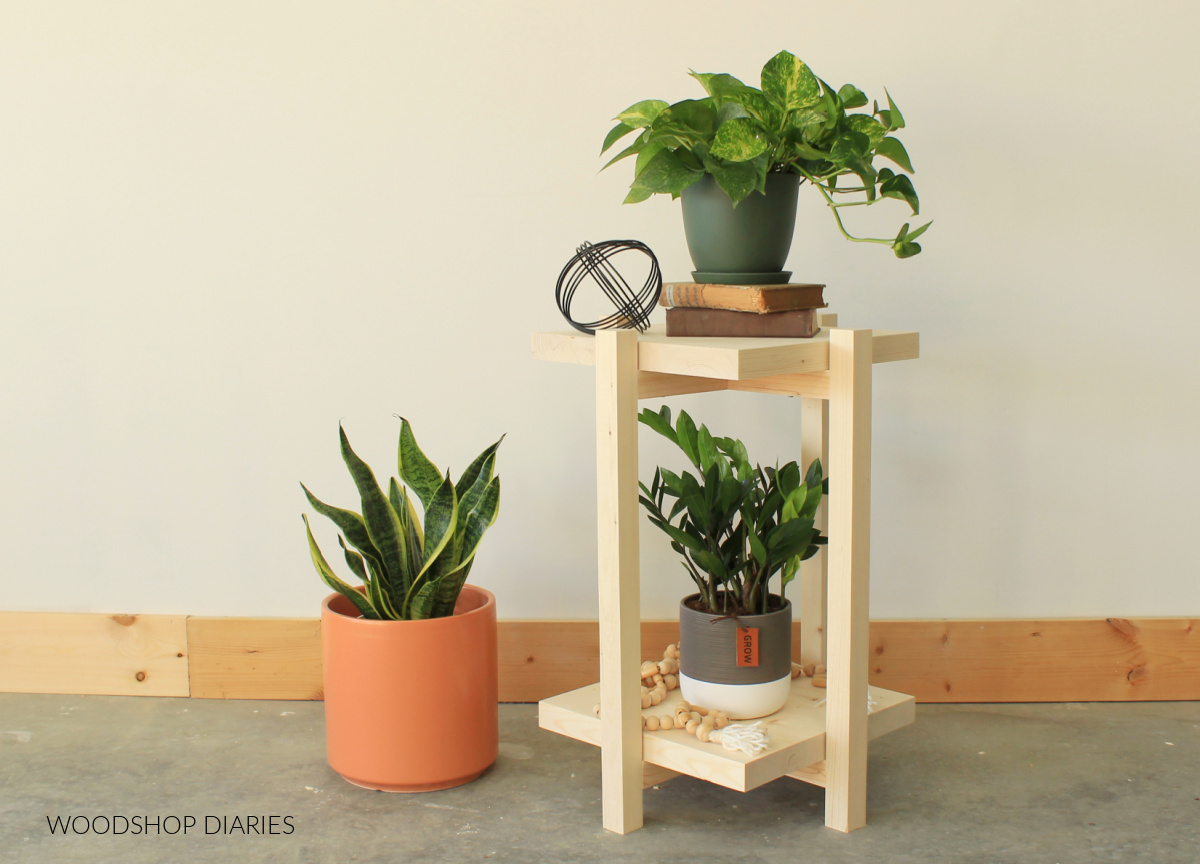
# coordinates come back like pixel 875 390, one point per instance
pixel 742 298
pixel 794 324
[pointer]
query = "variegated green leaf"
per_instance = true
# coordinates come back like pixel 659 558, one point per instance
pixel 468 478
pixel 415 469
pixel 422 603
pixel 381 521
pixel 361 603
pixel 869 126
pixel 353 560
pixel 740 140
pixel 642 113
pixel 787 81
pixel 440 518
pixel 350 523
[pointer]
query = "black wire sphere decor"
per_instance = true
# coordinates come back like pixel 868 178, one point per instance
pixel 594 261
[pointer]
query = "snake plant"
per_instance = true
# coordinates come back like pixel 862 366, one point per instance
pixel 409 570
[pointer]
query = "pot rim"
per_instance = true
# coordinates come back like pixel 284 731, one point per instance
pixel 787 604
pixel 489 601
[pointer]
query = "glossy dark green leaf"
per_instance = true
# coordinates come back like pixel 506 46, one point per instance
pixel 665 173
pixel 637 147
pixel 659 423
pixel 616 134
pixel 895 118
pixel 849 146
pixel 813 476
pixel 706 449
pixel 900 187
pixel 685 431
pixel 891 148
pixel 851 96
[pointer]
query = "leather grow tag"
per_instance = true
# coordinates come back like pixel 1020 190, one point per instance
pixel 747 646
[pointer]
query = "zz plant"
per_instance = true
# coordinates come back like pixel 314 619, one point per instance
pixel 410 570
pixel 795 123
pixel 734 524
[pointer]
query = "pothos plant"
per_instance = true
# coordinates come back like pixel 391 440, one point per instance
pixel 735 524
pixel 795 123
pixel 409 570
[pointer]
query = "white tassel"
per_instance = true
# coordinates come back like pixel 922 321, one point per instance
pixel 750 739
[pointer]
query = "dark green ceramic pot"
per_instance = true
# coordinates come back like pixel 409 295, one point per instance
pixel 743 245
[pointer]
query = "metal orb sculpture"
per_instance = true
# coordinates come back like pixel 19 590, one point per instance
pixel 595 261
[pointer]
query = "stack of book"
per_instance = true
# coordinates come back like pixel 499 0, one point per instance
pixel 698 309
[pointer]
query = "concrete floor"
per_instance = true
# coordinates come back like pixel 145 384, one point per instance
pixel 968 784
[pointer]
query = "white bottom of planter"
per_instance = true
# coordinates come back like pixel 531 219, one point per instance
pixel 739 701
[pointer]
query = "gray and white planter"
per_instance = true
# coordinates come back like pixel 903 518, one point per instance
pixel 742 665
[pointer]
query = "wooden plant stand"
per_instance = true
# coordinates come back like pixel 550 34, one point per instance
pixel 824 744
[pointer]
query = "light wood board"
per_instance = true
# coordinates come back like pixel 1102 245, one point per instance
pixel 977 660
pixel 797 734
pixel 730 359
pixel 255 658
pixel 93 653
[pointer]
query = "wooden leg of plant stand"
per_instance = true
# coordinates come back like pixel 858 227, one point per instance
pixel 620 609
pixel 814 444
pixel 849 562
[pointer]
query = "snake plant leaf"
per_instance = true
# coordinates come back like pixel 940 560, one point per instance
pixel 477 522
pixel 361 603
pixel 353 560
pixel 449 587
pixel 381 521
pixel 441 515
pixel 789 83
pixel 469 496
pixel 415 469
pixel 350 523
pixel 477 467
pixel 423 602
pixel 616 134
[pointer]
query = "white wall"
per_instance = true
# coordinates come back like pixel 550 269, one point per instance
pixel 224 227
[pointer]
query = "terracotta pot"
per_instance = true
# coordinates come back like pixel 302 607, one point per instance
pixel 411 706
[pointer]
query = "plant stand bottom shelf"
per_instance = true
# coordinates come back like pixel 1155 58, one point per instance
pixel 797 736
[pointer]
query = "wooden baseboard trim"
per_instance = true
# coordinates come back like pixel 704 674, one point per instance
pixel 86 653
pixel 1012 660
